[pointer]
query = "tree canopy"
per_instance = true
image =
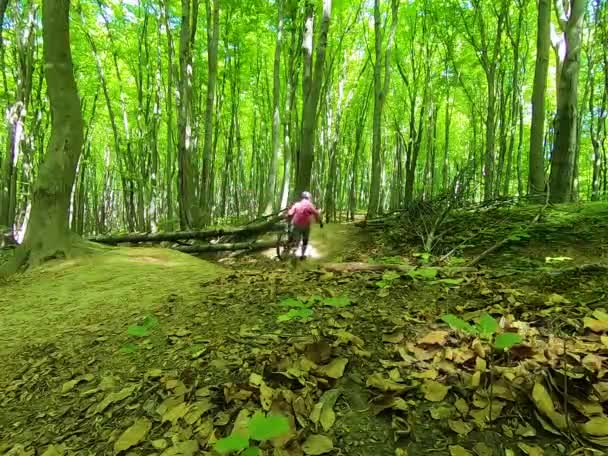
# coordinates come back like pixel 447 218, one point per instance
pixel 197 113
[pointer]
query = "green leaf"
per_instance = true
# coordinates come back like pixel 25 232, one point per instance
pixel 338 301
pixel 138 331
pixel 293 303
pixel 251 451
pixel 296 314
pixel 129 348
pixel 487 326
pixel 459 324
pixel 231 444
pixel 507 340
pixel 389 276
pixel 423 273
pixel 452 281
pixel 263 427
pixel 150 322
pixel 383 284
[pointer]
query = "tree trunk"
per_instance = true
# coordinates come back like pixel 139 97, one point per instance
pixel 213 33
pixel 48 235
pixel 185 147
pixel 536 177
pixel 270 193
pixel 311 83
pixel 381 85
pixel 564 147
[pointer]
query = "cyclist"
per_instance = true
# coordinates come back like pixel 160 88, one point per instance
pixel 300 216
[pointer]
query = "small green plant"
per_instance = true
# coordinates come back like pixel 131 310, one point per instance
pixel 300 308
pixel 486 329
pixel 139 331
pixel 387 279
pixel 260 428
pixel 143 330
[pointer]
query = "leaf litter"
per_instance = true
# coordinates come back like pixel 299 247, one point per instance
pixel 414 374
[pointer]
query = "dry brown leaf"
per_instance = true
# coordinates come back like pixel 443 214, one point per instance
pixel 531 450
pixel 323 412
pixel 434 391
pixel 462 406
pixel 460 427
pixel 133 435
pixel 544 404
pixel 595 325
pixel 597 427
pixel 482 449
pixel 457 450
pixel 393 338
pixel 378 381
pixel 335 369
pixel 434 338
pixel 175 413
pixel 317 444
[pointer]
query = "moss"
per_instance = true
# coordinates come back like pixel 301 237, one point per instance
pixel 104 288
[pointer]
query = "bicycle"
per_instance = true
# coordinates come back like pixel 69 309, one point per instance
pixel 287 246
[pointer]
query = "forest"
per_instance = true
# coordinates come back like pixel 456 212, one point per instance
pixel 162 160
pixel 197 113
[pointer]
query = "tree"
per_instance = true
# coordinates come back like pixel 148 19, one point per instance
pixel 213 33
pixel 564 146
pixel 381 85
pixel 536 177
pixel 48 235
pixel 270 193
pixel 186 146
pixel 311 87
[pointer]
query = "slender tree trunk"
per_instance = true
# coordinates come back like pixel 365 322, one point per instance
pixel 313 78
pixel 48 235
pixel 271 196
pixel 536 177
pixel 381 85
pixel 213 33
pixel 185 147
pixel 564 147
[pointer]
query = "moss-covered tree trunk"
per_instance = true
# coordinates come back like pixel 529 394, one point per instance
pixel 48 235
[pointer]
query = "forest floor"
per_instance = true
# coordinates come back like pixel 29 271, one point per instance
pixel 148 351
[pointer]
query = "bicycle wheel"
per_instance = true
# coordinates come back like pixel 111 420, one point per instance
pixel 282 240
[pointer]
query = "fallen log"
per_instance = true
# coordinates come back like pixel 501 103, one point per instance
pixel 175 236
pixel 367 267
pixel 206 248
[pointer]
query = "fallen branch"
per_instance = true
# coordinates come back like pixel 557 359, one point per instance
pixel 175 236
pixel 367 267
pixel 498 245
pixel 204 248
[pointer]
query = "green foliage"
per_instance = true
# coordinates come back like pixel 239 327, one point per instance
pixel 143 330
pixel 459 324
pixel 337 301
pixel 293 314
pixel 129 348
pixel 486 329
pixel 487 326
pixel 260 428
pixel 293 303
pixel 231 444
pixel 507 340
pixel 387 279
pixel 423 273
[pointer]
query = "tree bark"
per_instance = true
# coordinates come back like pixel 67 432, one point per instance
pixel 381 85
pixel 564 147
pixel 48 235
pixel 270 193
pixel 213 33
pixel 311 84
pixel 536 177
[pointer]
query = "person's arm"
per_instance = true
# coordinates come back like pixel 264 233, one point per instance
pixel 317 214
